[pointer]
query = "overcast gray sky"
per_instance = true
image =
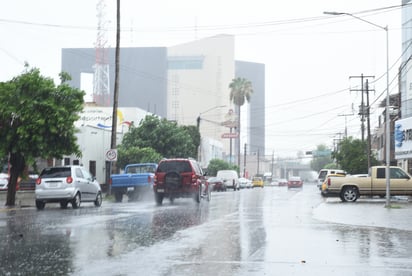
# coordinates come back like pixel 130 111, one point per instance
pixel 309 56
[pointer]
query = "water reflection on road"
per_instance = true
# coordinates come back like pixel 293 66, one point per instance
pixel 270 231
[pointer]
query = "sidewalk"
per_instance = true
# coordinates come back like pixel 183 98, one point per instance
pixel 367 212
pixel 23 199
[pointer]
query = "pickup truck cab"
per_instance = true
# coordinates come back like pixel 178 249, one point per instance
pixel 350 188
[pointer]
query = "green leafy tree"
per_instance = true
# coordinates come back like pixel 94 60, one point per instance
pixel 352 156
pixel 132 155
pixel 36 120
pixel 241 91
pixel 219 164
pixel 165 137
pixel 322 161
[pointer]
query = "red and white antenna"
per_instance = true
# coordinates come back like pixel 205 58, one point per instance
pixel 101 82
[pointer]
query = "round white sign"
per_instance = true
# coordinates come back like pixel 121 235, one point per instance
pixel 111 155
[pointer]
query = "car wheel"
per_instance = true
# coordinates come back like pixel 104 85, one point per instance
pixel 76 201
pixel 99 200
pixel 63 204
pixel 118 197
pixel 158 198
pixel 349 194
pixel 40 205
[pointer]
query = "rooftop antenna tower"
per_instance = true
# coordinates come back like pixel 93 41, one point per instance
pixel 101 82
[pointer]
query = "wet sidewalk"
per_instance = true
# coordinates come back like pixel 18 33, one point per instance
pixel 367 212
pixel 23 199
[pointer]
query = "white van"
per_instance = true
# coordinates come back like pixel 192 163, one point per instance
pixel 230 178
pixel 323 173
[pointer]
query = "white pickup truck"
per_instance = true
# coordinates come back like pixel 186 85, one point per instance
pixel 350 188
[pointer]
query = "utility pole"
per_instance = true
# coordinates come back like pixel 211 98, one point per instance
pixel 362 111
pixel 346 127
pixel 368 151
pixel 244 162
pixel 365 112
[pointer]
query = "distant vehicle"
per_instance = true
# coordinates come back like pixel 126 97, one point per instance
pixel 274 182
pixel 323 174
pixel 67 184
pixel 136 180
pixel 216 183
pixel 295 182
pixel 282 182
pixel 230 178
pixel 243 182
pixel 180 177
pixel 257 181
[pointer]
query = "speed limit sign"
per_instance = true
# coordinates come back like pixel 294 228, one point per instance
pixel 111 155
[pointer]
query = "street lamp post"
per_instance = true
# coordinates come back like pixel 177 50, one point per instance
pixel 198 119
pixel 387 117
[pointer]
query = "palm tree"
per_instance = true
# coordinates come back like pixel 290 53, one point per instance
pixel 240 91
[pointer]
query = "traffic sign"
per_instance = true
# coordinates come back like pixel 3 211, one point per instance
pixel 230 135
pixel 111 155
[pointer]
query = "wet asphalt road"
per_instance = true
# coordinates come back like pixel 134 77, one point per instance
pixel 269 231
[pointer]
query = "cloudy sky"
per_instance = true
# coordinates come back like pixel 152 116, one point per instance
pixel 310 57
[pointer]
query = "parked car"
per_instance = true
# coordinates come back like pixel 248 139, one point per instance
pixel 295 182
pixel 216 183
pixel 282 182
pixel 323 173
pixel 180 178
pixel 257 181
pixel 67 184
pixel 4 181
pixel 230 178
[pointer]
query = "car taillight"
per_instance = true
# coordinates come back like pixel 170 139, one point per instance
pixel 328 181
pixel 69 180
pixel 194 178
pixel 38 181
pixel 149 179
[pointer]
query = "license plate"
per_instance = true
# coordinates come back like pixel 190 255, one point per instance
pixel 160 190
pixel 130 189
pixel 52 185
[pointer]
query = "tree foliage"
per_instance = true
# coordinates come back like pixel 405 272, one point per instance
pixel 132 155
pixel 322 161
pixel 240 91
pixel 37 120
pixel 352 156
pixel 164 137
pixel 219 164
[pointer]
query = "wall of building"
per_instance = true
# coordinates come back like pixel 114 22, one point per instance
pixel 254 133
pixel 199 76
pixel 405 85
pixel 143 75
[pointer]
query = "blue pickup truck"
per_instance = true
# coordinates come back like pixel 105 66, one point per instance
pixel 136 180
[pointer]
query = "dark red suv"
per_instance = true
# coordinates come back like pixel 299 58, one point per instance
pixel 179 177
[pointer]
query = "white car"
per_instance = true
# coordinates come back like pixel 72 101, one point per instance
pixel 67 184
pixel 230 178
pixel 4 181
pixel 243 182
